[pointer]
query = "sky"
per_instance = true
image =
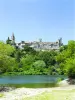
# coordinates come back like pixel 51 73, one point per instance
pixel 31 20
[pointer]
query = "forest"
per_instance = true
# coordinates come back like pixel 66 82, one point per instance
pixel 27 61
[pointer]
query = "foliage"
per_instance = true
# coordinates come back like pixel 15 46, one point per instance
pixel 7 64
pixel 6 49
pixel 70 67
pixel 25 61
pixel 29 50
pixel 66 59
pixel 48 57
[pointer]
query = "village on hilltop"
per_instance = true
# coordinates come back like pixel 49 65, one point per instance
pixel 37 45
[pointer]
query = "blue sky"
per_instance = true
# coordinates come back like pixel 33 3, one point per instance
pixel 34 19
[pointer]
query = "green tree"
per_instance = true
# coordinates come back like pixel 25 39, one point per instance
pixel 70 67
pixel 65 59
pixel 6 62
pixel 29 50
pixel 64 47
pixel 6 49
pixel 48 57
pixel 8 41
pixel 39 65
pixel 27 62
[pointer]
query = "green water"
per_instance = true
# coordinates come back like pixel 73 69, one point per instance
pixel 31 81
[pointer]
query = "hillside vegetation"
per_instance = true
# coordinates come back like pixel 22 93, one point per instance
pixel 27 61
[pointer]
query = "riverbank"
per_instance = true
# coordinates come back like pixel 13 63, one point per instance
pixel 21 93
pixel 26 93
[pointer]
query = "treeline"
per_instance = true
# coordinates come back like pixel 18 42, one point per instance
pixel 28 61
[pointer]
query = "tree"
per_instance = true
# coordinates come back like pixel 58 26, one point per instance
pixel 71 47
pixel 6 62
pixel 70 67
pixel 48 57
pixel 29 50
pixel 6 49
pixel 39 64
pixel 27 62
pixel 64 47
pixel 65 59
pixel 8 41
pixel 18 54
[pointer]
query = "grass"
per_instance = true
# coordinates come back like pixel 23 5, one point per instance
pixel 1 95
pixel 54 95
pixel 31 85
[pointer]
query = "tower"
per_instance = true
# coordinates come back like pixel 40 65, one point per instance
pixel 40 40
pixel 13 39
pixel 60 42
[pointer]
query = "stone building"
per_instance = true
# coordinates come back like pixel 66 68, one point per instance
pixel 39 45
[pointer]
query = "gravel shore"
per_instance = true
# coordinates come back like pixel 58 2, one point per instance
pixel 20 93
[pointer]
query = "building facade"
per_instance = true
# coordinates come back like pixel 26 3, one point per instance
pixel 39 45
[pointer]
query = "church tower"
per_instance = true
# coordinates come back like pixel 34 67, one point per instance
pixel 60 42
pixel 13 39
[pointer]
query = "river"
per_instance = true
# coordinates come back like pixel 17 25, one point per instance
pixel 31 81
